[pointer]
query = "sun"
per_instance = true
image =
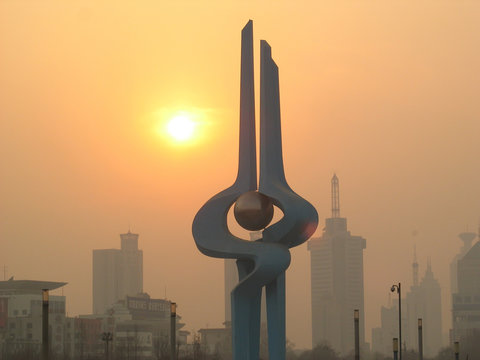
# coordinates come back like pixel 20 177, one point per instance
pixel 181 128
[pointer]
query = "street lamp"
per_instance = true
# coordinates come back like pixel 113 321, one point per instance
pixel 395 349
pixel 107 337
pixel 398 289
pixel 420 339
pixel 356 321
pixel 173 319
pixel 45 304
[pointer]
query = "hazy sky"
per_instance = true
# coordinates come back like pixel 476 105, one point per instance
pixel 384 93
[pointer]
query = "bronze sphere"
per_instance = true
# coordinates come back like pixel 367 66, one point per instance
pixel 253 211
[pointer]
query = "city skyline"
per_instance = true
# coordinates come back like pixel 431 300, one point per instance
pixel 387 99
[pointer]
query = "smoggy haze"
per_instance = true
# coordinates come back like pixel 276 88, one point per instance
pixel 383 93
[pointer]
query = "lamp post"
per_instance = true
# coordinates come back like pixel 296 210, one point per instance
pixel 45 305
pixel 420 339
pixel 456 348
pixel 107 337
pixel 356 322
pixel 395 349
pixel 173 319
pixel 398 289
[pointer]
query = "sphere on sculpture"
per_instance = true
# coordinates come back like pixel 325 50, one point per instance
pixel 253 211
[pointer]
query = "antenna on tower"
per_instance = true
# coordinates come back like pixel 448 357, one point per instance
pixel 335 197
pixel 415 266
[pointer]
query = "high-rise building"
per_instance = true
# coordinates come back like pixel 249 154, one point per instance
pixel 424 302
pixel 467 239
pixel 337 281
pixel 117 273
pixel 466 301
pixel 382 336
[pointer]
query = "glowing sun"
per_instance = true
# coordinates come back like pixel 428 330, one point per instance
pixel 181 128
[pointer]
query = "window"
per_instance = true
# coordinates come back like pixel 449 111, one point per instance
pixel 29 336
pixel 29 325
pixel 12 325
pixel 24 312
pixel 15 312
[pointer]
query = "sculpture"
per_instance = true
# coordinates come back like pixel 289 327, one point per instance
pixel 263 262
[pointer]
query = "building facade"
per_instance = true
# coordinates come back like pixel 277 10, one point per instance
pixel 336 281
pixel 466 301
pixel 117 273
pixel 21 318
pixel 424 302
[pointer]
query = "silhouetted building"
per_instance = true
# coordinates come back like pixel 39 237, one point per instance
pixel 140 327
pixel 337 281
pixel 117 273
pixel 466 301
pixel 467 238
pixel 424 301
pixel 382 336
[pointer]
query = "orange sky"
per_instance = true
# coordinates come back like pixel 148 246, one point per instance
pixel 384 93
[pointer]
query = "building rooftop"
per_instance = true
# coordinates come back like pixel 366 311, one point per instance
pixel 28 286
pixel 473 253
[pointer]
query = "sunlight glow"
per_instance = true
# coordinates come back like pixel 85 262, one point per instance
pixel 181 127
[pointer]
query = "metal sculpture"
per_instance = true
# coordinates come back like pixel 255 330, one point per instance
pixel 263 262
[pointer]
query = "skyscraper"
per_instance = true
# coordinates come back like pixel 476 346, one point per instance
pixel 467 238
pixel 337 281
pixel 466 301
pixel 117 273
pixel 424 301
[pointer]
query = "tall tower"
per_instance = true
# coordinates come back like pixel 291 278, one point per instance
pixel 337 281
pixel 335 197
pixel 117 273
pixel 415 267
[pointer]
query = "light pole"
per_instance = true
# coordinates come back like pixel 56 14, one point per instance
pixel 395 349
pixel 456 348
pixel 107 337
pixel 356 321
pixel 173 319
pixel 398 289
pixel 45 305
pixel 420 339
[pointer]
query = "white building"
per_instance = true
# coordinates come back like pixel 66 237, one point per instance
pixel 337 282
pixel 21 317
pixel 117 273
